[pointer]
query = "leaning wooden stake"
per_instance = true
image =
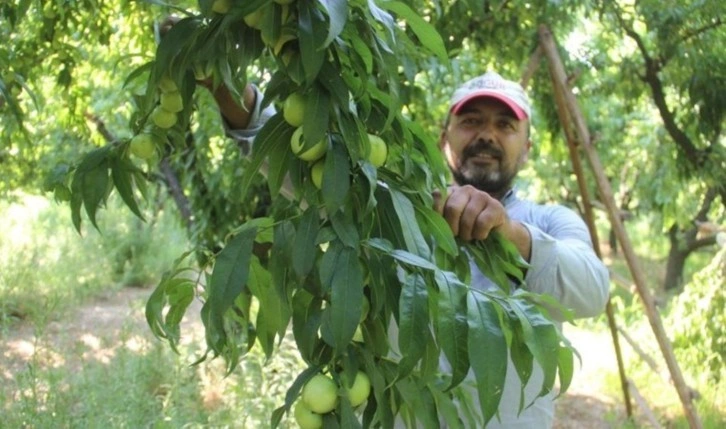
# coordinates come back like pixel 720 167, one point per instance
pixel 559 80
pixel 572 144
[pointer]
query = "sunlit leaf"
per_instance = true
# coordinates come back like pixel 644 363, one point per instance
pixel 434 225
pixel 413 322
pixel 312 34
pixel 487 351
pixel 121 173
pixel 271 138
pixel 426 33
pixel 304 246
pixel 346 296
pixel 451 325
pixel 336 177
pixel 229 277
pixel 415 241
pixel 337 11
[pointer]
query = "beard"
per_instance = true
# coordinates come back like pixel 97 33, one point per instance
pixel 495 178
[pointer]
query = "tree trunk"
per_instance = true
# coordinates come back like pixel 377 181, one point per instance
pixel 176 191
pixel 684 242
pixel 676 261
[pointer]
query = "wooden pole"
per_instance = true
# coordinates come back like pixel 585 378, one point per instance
pixel 534 60
pixel 572 144
pixel 559 80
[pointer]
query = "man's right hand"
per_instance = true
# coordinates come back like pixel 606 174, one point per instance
pixel 167 23
pixel 236 113
pixel 164 27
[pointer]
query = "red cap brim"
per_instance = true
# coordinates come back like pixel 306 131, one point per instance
pixel 518 112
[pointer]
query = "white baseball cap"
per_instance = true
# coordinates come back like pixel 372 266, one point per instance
pixel 492 85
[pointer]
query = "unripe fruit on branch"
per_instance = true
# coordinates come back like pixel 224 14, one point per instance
pixel 284 38
pixel 8 77
pixel 358 335
pixel 379 150
pixel 171 101
pixel 221 6
pixel 316 173
pixel 365 308
pixel 313 154
pixel 142 146
pixel 166 84
pixel 163 118
pixel 62 194
pixel 293 109
pixel 360 390
pixel 320 394
pixel 305 418
pixel 202 71
pixel 254 19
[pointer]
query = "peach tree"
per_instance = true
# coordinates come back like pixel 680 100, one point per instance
pixel 350 256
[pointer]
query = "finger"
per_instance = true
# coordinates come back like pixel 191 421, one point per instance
pixel 489 219
pixel 454 207
pixel 438 201
pixel 483 226
pixel 470 216
pixel 168 23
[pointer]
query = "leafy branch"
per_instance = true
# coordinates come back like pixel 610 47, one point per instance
pixel 652 66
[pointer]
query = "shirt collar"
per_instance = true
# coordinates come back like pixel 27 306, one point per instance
pixel 509 197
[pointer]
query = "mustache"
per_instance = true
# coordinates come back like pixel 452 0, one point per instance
pixel 482 147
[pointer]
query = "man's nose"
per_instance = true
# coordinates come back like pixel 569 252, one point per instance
pixel 485 131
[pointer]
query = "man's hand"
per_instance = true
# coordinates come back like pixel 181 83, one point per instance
pixel 164 27
pixel 167 23
pixel 473 214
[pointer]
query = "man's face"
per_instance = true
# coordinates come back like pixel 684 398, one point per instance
pixel 486 145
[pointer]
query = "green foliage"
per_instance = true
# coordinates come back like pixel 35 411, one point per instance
pixel 58 53
pixel 46 267
pixel 699 323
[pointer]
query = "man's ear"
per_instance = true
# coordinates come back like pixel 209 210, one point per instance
pixel 442 139
pixel 525 152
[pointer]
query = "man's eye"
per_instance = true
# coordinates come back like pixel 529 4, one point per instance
pixel 506 124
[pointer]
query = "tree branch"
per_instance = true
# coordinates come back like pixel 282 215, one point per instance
pixel 708 199
pixel 175 189
pixel 694 33
pixel 100 126
pixel 690 240
pixel 701 242
pixel 652 67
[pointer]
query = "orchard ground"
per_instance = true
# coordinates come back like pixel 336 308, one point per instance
pixel 96 332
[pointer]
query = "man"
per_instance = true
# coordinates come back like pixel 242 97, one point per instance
pixel 486 142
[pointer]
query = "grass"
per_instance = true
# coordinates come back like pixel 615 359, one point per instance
pixel 142 384
pixel 48 268
pixel 73 376
pixel 655 385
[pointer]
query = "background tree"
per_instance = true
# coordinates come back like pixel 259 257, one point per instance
pixel 674 63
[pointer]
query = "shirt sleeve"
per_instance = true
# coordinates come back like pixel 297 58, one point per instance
pixel 564 265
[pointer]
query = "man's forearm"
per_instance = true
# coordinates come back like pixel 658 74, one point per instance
pixel 236 115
